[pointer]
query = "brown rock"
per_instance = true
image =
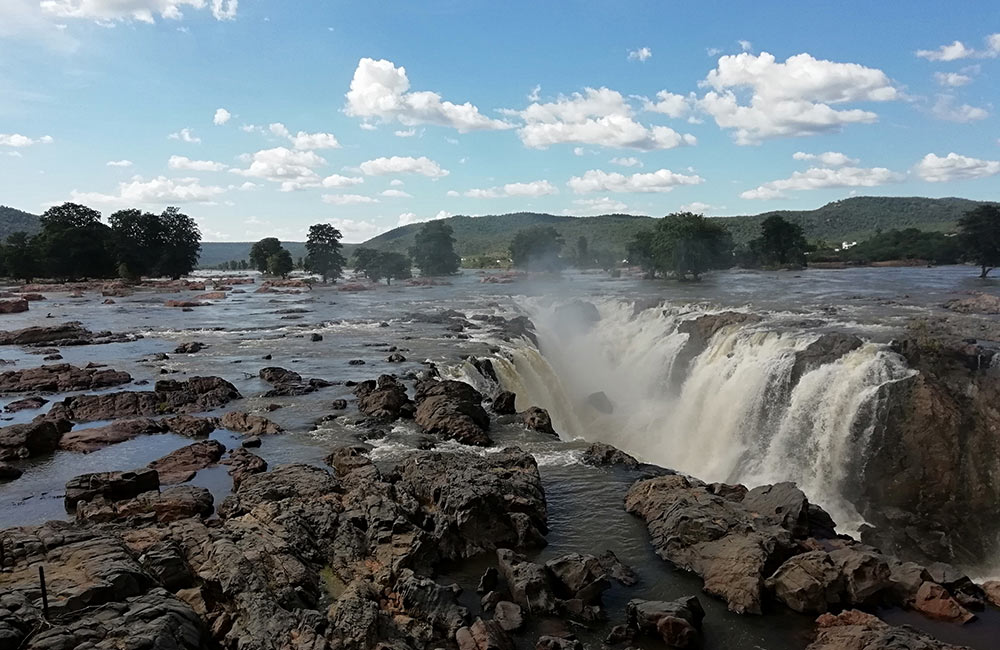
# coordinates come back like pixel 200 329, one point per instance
pixel 113 486
pixel 256 425
pixel 537 419
pixel 452 410
pixel 59 378
pixel 181 465
pixel 172 504
pixel 9 473
pixel 385 399
pixel 26 404
pixel 242 464
pixel 934 601
pixel 13 306
pixel 94 438
pixel 30 439
pixel 854 630
pixel 169 396
pixel 992 589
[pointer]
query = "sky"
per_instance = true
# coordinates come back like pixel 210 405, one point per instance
pixel 262 117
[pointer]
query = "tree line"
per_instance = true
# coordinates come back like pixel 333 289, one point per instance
pixel 74 243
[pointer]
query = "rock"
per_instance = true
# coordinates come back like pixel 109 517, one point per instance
pixel 578 577
pixel 452 410
pixel 26 404
pixel 384 400
pixel 9 473
pixel 808 583
pixel 60 378
pixel 826 349
pixel 547 642
pixel 338 404
pixel 251 443
pixel 172 504
pixel 181 465
pixel 992 589
pixel 508 615
pixel 52 357
pixel 577 315
pixel 483 635
pixel 345 460
pixel 437 604
pixel 977 303
pixel 112 486
pixel 13 306
pixel 66 334
pixel 289 383
pixel 934 601
pixel 906 579
pixel 94 438
pixel 356 362
pixel 255 425
pixel 211 295
pixel 489 581
pixel 185 304
pixel 170 396
pixel 503 403
pixel 601 455
pixel 274 375
pixel 855 630
pixel 866 573
pixel 527 582
pixel 189 348
pixel 677 623
pixel 781 503
pixel 242 463
pixel 190 426
pixel 395 357
pixel 537 419
pixel 617 570
pixel 599 402
pixel 315 338
pixel 31 439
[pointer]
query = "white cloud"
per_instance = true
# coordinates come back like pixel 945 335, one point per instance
pixel 408 133
pixel 348 199
pixel 598 117
pixel 403 165
pixel 579 151
pixel 293 169
pixel 955 167
pixel 221 116
pixel 183 162
pixel 119 163
pixel 670 104
pixel 15 154
pixel 828 158
pixel 535 93
pixel 696 206
pixel 627 162
pixel 336 180
pixel 952 79
pixel 356 231
pixel 945 108
pixel 534 188
pixel 816 178
pixel 407 218
pixel 958 50
pixel 452 193
pixel 140 10
pixel 397 194
pixel 159 190
pixel 18 140
pixel 793 98
pixel 604 205
pixel 641 54
pixel 379 89
pixel 305 141
pixel 396 182
pixel 185 135
pixel 662 180
pixel 746 46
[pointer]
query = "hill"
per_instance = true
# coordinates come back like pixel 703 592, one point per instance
pixel 13 220
pixel 214 253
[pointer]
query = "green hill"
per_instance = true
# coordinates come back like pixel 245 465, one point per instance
pixel 214 253
pixel 13 220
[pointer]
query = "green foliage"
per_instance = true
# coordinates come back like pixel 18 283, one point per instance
pixel 20 256
pixel 324 251
pixel 909 244
pixel 262 251
pixel 781 243
pixel 73 243
pixel 149 244
pixel 537 249
pixel 179 244
pixel 434 250
pixel 381 265
pixel 13 220
pixel 280 262
pixel 683 244
pixel 980 236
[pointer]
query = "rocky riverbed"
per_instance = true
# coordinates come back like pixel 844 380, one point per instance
pixel 232 477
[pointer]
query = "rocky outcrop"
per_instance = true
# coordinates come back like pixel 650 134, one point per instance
pixel 113 486
pixel 94 438
pixel 26 404
pixel 169 396
pixel 9 473
pixel 59 378
pixel 503 403
pixel 288 383
pixel 254 425
pixel 855 630
pixel 599 454
pixel 31 439
pixel 15 306
pixel 385 400
pixel 242 464
pixel 452 410
pixel 977 303
pixel 826 349
pixel 537 419
pixel 64 335
pixel 172 504
pixel 181 465
pixel 677 623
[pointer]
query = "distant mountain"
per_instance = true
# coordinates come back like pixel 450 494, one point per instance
pixel 214 253
pixel 13 220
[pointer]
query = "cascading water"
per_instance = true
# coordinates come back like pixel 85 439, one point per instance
pixel 736 412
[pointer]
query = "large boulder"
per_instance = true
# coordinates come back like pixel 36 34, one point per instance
pixel 782 504
pixel 181 465
pixel 60 378
pixel 537 419
pixel 384 399
pixel 600 454
pixel 113 486
pixel 452 410
pixel 677 623
pixel 169 397
pixel 527 582
pixel 855 630
pixel 243 463
pixel 174 503
pixel 63 335
pixel 289 383
pixel 94 438
pixel 809 583
pixel 31 439
pixel 254 425
pixel 15 306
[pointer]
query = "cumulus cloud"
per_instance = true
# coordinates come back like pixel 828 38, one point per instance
pixel 641 54
pixel 403 165
pixel 670 104
pixel 381 90
pixel 534 188
pixel 627 162
pixel 119 163
pixel 948 109
pixel 221 116
pixel 407 218
pixel 697 207
pixel 952 79
pixel 794 98
pixel 348 199
pixel 139 10
pixel 954 167
pixel 159 190
pixel 336 180
pixel 598 117
pixel 18 140
pixel 662 180
pixel 293 169
pixel 183 162
pixel 185 135
pixel 305 141
pixel 396 194
pixel 816 178
pixel 958 50
pixel 828 158
pixel 356 231
pixel 407 133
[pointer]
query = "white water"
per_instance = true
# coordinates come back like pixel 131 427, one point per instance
pixel 731 415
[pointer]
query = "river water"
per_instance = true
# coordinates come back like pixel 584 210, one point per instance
pixel 730 418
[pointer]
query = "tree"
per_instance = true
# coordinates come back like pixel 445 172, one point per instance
pixel 781 242
pixel 979 230
pixel 364 260
pixel 19 256
pixel 583 257
pixel 74 243
pixel 381 265
pixel 434 250
pixel 136 238
pixel 280 263
pixel 179 244
pixel 324 251
pixel 262 251
pixel 688 244
pixel 640 252
pixel 537 248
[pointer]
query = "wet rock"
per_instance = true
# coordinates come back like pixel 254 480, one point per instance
pixel 242 463
pixel 356 362
pixel 60 378
pixel 338 404
pixel 677 623
pixel 992 590
pixel 437 604
pixel 395 357
pixel 191 426
pixel 934 601
pixel 701 329
pixel 169 396
pixel 452 410
pixel 852 629
pixel 527 582
pixel 866 573
pixel 289 383
pixel 977 303
pixel 808 583
pixel 251 443
pixel 315 338
pixel 189 348
pixel 617 570
pixel 345 460
pixel 558 643
pixel 185 304
pixel 537 419
pixel 53 357
pixel 112 486
pixel 601 455
pixel 181 465
pixel 94 438
pixel 13 306
pixel 578 315
pixel 826 349
pixel 8 472
pixel 503 403
pixel 172 504
pixel 255 425
pixel 385 399
pixel 508 616
pixel 483 635
pixel 26 404
pixel 489 581
pixel 578 577
pixel 31 439
pixel 781 503
pixel 66 334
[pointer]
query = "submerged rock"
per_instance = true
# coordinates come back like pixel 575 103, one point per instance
pixel 677 623
pixel 66 334
pixel 599 454
pixel 94 438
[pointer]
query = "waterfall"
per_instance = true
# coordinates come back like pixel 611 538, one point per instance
pixel 733 413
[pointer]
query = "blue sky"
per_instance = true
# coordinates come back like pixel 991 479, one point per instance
pixel 373 115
